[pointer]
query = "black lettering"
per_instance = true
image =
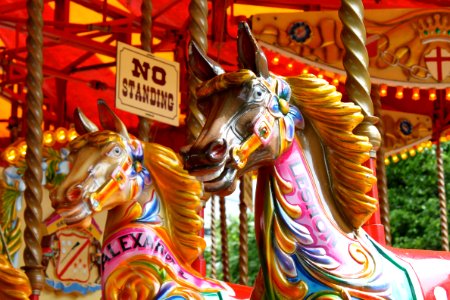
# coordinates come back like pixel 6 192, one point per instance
pixel 110 249
pixel 105 259
pixel 131 85
pixel 124 87
pixel 159 245
pixel 138 92
pixel 147 243
pixel 161 80
pixel 152 96
pixel 123 243
pixel 163 100
pixel 136 240
pixel 140 69
pixel 145 93
pixel 170 98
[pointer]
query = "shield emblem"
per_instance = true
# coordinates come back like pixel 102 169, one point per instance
pixel 74 259
pixel 438 63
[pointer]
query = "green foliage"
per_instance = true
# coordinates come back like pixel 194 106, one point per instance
pixel 413 200
pixel 233 250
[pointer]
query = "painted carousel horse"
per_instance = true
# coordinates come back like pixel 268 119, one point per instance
pixel 14 284
pixel 311 193
pixel 151 232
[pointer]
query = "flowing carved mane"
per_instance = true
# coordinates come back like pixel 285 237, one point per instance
pixel 334 122
pixel 180 195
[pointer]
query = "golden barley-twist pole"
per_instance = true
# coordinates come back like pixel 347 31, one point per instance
pixel 224 239
pixel 356 62
pixel 33 175
pixel 381 168
pixel 213 238
pixel 198 27
pixel 146 42
pixel 442 198
pixel 243 234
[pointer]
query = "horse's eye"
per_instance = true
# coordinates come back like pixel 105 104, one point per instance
pixel 115 151
pixel 258 93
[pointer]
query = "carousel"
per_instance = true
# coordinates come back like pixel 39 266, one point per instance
pixel 122 120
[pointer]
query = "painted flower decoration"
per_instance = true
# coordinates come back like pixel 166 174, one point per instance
pixel 299 32
pixel 292 117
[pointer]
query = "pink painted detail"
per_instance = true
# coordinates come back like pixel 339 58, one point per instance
pixel 130 242
pixel 293 167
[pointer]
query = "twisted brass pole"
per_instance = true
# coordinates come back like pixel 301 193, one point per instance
pixel 198 28
pixel 356 62
pixel 442 197
pixel 146 42
pixel 213 238
pixel 243 234
pixel 381 168
pixel 33 175
pixel 224 239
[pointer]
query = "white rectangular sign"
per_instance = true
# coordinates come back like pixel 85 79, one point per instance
pixel 146 85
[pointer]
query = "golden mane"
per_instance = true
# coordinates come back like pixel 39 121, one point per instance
pixel 180 197
pixel 334 122
pixel 14 284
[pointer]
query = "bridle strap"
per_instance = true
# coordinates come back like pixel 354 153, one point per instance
pixel 118 181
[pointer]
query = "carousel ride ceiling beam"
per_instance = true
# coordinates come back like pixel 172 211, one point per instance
pixel 292 4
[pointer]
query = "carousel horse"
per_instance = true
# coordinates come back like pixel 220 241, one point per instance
pixel 151 232
pixel 311 190
pixel 14 283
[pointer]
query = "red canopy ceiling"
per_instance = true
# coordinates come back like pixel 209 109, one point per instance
pixel 73 71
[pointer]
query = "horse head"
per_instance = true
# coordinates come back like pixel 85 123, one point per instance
pixel 249 120
pixel 107 169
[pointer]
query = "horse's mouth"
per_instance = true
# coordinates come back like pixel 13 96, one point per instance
pixel 216 180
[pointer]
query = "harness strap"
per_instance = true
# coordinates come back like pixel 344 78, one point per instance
pixel 118 181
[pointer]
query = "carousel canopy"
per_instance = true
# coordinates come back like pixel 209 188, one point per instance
pixel 80 38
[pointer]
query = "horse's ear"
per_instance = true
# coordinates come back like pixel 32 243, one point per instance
pixel 109 120
pixel 82 123
pixel 250 55
pixel 201 65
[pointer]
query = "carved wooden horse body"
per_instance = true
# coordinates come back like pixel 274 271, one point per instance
pixel 151 235
pixel 311 197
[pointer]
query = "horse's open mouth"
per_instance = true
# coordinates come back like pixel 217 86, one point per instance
pixel 217 180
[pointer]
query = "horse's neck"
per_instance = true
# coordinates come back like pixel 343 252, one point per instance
pixel 128 212
pixel 289 198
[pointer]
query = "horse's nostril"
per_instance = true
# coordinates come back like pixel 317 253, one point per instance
pixel 217 150
pixel 74 193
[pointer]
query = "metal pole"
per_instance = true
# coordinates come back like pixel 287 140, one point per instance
pixel 33 175
pixel 146 42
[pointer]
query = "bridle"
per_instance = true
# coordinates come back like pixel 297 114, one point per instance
pixel 120 178
pixel 275 109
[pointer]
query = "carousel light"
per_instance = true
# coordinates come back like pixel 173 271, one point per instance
pixel 276 60
pixel 420 149
pixel 72 134
pixel 415 94
pixel 387 161
pixel 48 138
pixel 290 66
pixel 443 139
pixel 320 75
pixel 335 81
pixel 12 154
pixel 305 71
pixel 404 155
pixel 22 147
pixel 383 90
pixel 412 152
pixel 399 93
pixel 447 94
pixel 61 134
pixel 395 158
pixel 432 94
pixel 429 144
